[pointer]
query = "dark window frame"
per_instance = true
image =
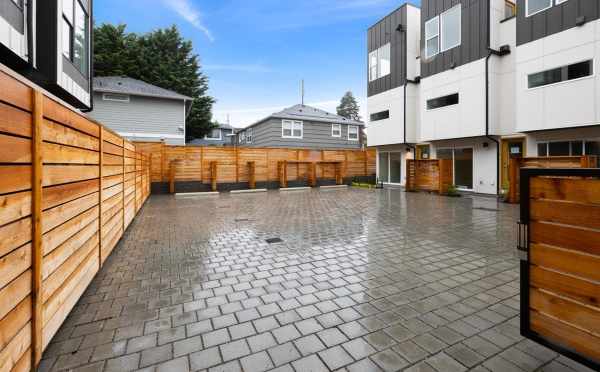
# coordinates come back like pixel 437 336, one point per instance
pixel 443 101
pixel 72 35
pixel 381 115
pixel 561 74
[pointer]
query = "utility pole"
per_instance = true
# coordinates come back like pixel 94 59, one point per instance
pixel 302 91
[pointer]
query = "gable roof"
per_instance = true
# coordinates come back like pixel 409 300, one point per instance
pixel 309 113
pixel 127 85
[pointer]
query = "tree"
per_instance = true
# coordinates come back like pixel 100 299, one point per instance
pixel 348 107
pixel 162 58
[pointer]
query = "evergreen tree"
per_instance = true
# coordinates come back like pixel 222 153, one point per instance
pixel 348 107
pixel 162 58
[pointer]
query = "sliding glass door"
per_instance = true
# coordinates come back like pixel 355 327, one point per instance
pixel 390 167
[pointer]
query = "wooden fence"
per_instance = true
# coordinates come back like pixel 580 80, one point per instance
pixel 249 164
pixel 68 190
pixel 429 175
pixel 515 164
pixel 560 267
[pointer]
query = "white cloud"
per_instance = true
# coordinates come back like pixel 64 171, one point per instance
pixel 187 11
pixel 255 67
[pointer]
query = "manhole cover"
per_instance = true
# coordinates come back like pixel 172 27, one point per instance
pixel 486 209
pixel 274 240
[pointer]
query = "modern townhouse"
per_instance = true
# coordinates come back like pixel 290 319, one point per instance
pixel 489 80
pixel 49 42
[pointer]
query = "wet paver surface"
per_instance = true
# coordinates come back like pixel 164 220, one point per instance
pixel 360 281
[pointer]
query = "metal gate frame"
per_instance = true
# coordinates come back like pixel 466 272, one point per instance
pixel 523 249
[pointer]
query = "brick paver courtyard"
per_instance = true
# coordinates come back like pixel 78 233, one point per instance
pixel 362 281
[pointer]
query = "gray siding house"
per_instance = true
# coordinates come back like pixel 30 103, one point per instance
pixel 140 111
pixel 223 135
pixel 302 126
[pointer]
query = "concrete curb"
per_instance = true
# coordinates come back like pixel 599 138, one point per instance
pixel 195 194
pixel 334 187
pixel 295 188
pixel 249 191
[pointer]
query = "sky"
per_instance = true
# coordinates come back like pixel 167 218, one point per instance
pixel 256 52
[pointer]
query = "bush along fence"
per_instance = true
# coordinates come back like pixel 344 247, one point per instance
pixel 69 188
pixel 192 168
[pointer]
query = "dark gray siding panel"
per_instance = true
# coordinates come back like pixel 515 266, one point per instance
pixel 381 33
pixel 474 24
pixel 13 15
pixel 554 20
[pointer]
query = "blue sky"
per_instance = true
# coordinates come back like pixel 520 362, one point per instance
pixel 255 52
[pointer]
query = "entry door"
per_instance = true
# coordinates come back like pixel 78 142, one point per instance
pixel 463 168
pixel 513 148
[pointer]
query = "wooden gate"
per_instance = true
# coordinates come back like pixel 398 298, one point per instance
pixel 559 245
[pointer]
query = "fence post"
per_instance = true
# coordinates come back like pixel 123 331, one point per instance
pixel 513 174
pixel 213 175
pixel 237 165
pixel 585 161
pixel 252 174
pixel 36 215
pixel 172 178
pixel 100 161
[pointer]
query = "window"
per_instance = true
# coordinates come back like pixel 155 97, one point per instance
pixel 291 129
pixel 373 65
pixel 390 167
pixel 432 37
pixel 336 130
pixel 214 135
pixel 382 115
pixel 569 148
pixel 380 62
pixel 448 100
pixel 75 34
pixel 536 6
pixel 542 149
pixel 249 135
pixel 450 29
pixel 115 97
pixel 592 147
pixel 352 133
pixel 559 149
pixel 242 137
pixel 565 73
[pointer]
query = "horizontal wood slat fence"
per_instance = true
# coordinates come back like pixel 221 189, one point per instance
pixel 561 276
pixel 429 175
pixel 68 190
pixel 217 165
pixel 586 161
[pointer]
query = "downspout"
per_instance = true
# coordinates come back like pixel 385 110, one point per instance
pixel 504 50
pixel 402 29
pixel 30 35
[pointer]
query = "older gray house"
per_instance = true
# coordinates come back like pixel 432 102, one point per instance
pixel 140 111
pixel 303 126
pixel 223 135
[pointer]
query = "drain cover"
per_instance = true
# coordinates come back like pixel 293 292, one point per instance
pixel 486 209
pixel 274 240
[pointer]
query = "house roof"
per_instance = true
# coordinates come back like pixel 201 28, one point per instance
pixel 309 113
pixel 127 85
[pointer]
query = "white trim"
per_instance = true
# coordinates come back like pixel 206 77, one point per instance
pixel 294 123
pixel 527 14
pixel 105 97
pixel 151 135
pixel 357 133
pixel 441 27
pixel 436 18
pixel 339 128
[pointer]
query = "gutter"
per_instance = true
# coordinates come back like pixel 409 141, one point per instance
pixel 504 50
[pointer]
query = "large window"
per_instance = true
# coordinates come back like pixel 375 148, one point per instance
pixel 560 74
pixel 382 115
pixel 450 30
pixel 214 135
pixel 432 37
pixel 75 34
pixel 443 32
pixel 380 62
pixel 336 130
pixel 569 148
pixel 352 133
pixel 249 135
pixel 462 161
pixel 451 99
pixel 291 129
